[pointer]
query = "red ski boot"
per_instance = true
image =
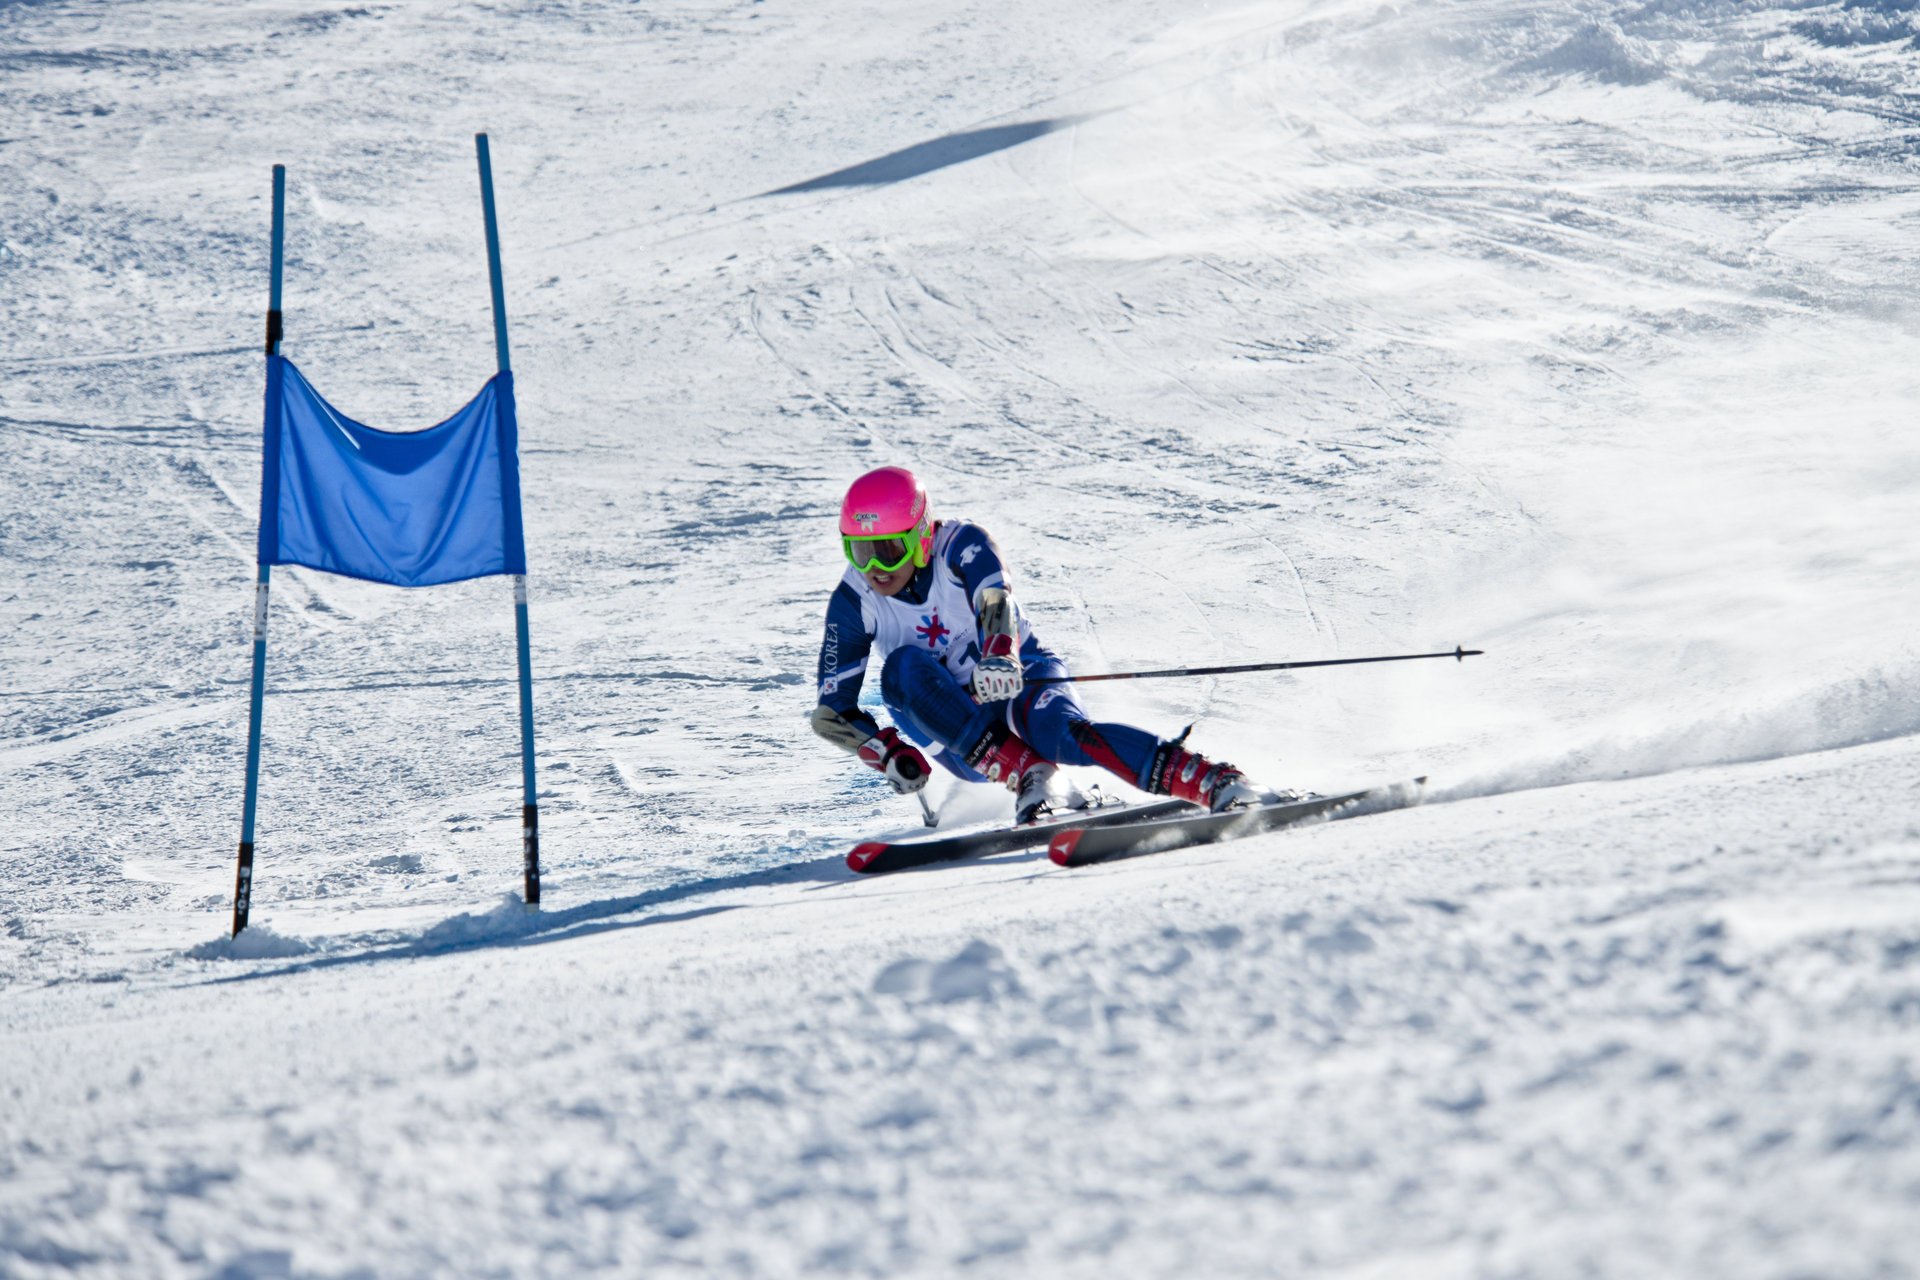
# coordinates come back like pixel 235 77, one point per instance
pixel 1014 764
pixel 1187 775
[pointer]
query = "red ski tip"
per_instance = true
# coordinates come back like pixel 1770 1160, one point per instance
pixel 1061 848
pixel 863 855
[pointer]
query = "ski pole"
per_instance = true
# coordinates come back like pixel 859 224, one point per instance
pixel 1456 653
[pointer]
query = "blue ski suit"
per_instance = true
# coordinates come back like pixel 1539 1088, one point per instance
pixel 927 639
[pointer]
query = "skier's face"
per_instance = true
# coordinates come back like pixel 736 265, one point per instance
pixel 887 582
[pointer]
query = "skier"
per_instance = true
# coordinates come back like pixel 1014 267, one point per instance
pixel 930 599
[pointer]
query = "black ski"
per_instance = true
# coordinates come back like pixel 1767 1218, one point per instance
pixel 876 856
pixel 1082 844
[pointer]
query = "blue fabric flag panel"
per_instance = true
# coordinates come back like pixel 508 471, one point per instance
pixel 411 508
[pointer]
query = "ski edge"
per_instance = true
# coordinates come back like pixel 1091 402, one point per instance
pixel 870 857
pixel 1180 832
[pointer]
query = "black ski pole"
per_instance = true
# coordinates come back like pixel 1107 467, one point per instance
pixel 1456 653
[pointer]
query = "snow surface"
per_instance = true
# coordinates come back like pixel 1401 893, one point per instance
pixel 1579 331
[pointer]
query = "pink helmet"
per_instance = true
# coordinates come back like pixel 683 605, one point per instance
pixel 889 501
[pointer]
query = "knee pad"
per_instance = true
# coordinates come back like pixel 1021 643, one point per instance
pixel 1045 715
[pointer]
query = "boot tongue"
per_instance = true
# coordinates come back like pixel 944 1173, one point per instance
pixel 1004 758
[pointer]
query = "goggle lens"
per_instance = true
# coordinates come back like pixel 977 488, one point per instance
pixel 884 554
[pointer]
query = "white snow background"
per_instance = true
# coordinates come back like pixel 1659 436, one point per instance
pixel 1582 331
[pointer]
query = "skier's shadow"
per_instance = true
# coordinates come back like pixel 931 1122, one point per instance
pixel 518 928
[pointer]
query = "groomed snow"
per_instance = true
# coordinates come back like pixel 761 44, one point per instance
pixel 1580 332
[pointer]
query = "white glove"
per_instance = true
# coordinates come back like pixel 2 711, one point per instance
pixel 997 676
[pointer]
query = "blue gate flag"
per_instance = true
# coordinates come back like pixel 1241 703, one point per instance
pixel 412 508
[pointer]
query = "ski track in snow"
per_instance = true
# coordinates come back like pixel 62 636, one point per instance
pixel 1579 332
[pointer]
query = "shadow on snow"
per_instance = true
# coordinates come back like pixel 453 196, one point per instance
pixel 926 157
pixel 511 925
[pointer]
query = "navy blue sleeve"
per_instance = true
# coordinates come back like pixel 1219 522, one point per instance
pixel 843 658
pixel 975 561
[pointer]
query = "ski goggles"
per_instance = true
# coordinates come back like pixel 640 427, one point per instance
pixel 883 554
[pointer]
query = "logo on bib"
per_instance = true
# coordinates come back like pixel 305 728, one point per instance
pixel 931 630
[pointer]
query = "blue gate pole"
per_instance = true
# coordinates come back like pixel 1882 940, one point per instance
pixel 530 809
pixel 243 876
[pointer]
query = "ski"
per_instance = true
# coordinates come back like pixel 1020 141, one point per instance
pixel 1083 844
pixel 876 856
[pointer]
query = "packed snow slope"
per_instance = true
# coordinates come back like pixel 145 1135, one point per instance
pixel 1583 332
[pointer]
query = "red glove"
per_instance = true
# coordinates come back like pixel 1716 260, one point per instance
pixel 901 761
